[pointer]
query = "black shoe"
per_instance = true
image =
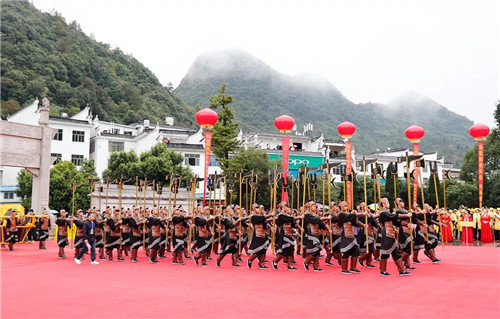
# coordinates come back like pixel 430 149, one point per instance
pixel 209 258
pixel 133 260
pixel 385 274
pixel 417 262
pixel 102 258
pixel 346 272
pixel 318 269
pixel 355 271
pixel 263 267
pixel 121 259
pixel 249 264
pixel 306 266
pixel 174 262
pixel 275 266
pixel 371 266
pixel 405 273
pixel 204 265
pixel 162 256
pixel 239 259
pixel 217 262
pixel 361 263
pixel 151 261
pixel 187 257
pixel 376 259
pixel 196 261
pixel 411 268
pixel 292 268
pixel 436 261
pixel 328 263
pixel 155 261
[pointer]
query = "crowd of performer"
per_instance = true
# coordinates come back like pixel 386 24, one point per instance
pixel 340 234
pixel 349 238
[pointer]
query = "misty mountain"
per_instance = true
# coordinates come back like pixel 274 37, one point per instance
pixel 262 94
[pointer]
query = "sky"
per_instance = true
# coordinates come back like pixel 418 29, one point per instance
pixel 372 51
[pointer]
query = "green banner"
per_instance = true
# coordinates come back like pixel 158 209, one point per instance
pixel 295 161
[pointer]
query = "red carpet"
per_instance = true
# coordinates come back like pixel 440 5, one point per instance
pixel 36 284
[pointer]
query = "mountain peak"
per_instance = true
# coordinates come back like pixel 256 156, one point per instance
pixel 414 99
pixel 228 62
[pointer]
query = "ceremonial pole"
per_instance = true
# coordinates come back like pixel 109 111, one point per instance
pixel 284 124
pixel 414 133
pixel 206 118
pixel 346 130
pixel 366 213
pixel 479 132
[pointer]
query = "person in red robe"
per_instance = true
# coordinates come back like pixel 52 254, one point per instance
pixel 486 235
pixel 467 236
pixel 446 227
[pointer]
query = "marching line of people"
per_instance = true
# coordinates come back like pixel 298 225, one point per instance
pixel 349 238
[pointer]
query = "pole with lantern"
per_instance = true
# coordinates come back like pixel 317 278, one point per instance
pixel 284 124
pixel 206 118
pixel 479 132
pixel 414 133
pixel 346 130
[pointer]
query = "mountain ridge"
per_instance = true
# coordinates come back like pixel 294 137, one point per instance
pixel 262 94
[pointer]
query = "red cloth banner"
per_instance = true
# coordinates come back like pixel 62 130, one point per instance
pixel 348 171
pixel 416 150
pixel 208 147
pixel 480 170
pixel 285 143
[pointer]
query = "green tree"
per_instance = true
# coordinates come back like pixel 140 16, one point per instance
pixel 460 193
pixel 249 160
pixel 62 175
pixel 24 187
pixel 154 164
pixel 430 191
pixel 225 131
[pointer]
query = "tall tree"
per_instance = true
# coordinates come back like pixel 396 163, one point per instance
pixel 225 131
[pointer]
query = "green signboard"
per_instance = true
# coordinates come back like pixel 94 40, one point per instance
pixel 295 161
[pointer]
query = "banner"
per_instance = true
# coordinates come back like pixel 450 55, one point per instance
pixel 416 149
pixel 208 146
pixel 348 163
pixel 480 170
pixel 285 143
pixel 295 161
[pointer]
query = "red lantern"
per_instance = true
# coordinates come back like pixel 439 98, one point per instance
pixel 206 118
pixel 284 123
pixel 346 129
pixel 479 131
pixel 414 133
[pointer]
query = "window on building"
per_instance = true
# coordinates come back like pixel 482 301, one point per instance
pixel 114 146
pixel 213 161
pixel 59 135
pixel 57 156
pixel 92 146
pixel 77 159
pixel 8 195
pixel 79 136
pixel 192 159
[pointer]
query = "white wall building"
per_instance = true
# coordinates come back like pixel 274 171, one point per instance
pixel 70 143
